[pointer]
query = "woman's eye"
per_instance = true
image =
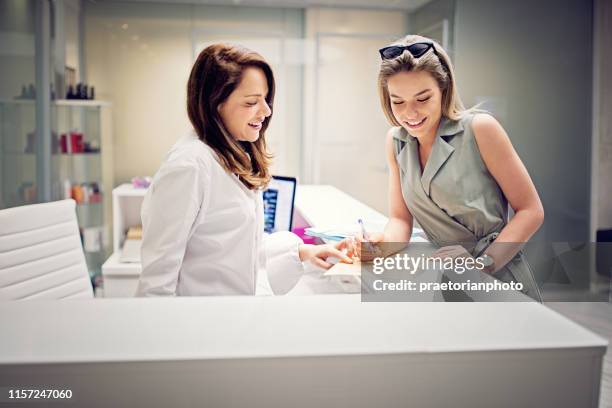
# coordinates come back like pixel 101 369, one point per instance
pixel 424 99
pixel 251 103
pixel 397 102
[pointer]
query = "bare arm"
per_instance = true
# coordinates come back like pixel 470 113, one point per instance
pixel 508 170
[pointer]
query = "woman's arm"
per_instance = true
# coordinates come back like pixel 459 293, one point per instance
pixel 508 170
pixel 168 213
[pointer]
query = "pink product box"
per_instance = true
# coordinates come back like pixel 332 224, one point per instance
pixel 301 232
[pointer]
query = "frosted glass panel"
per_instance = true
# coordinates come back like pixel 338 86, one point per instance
pixel 18 142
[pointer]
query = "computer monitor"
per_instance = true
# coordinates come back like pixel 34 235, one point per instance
pixel 278 201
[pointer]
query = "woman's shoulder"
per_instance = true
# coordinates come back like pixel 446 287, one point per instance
pixel 189 151
pixel 480 119
pixel 475 119
pixel 488 134
pixel 484 125
pixel 187 164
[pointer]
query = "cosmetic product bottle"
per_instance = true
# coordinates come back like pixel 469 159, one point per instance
pixel 85 190
pixel 77 193
pixel 67 189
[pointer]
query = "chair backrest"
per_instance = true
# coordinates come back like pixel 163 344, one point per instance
pixel 41 255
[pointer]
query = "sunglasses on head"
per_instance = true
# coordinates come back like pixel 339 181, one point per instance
pixel 417 50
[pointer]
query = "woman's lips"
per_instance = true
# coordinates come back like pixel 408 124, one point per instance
pixel 255 126
pixel 415 125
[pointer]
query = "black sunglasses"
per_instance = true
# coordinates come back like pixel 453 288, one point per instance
pixel 417 50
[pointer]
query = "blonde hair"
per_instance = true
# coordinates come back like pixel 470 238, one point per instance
pixel 437 63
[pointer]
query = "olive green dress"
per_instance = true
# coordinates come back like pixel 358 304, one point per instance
pixel 455 199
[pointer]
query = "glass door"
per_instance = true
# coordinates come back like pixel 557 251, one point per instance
pixel 18 140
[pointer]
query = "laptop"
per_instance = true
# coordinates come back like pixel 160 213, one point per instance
pixel 279 200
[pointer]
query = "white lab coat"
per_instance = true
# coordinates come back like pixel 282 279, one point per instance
pixel 203 232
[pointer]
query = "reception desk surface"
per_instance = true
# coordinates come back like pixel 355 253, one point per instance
pixel 252 327
pixel 279 350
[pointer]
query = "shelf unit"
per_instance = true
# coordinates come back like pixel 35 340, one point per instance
pixel 121 279
pixel 20 156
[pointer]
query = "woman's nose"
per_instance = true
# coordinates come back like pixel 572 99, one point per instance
pixel 409 113
pixel 266 111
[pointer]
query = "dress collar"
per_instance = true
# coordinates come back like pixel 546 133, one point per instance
pixel 447 127
pixel 440 152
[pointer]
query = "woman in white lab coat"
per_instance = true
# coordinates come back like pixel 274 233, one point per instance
pixel 202 216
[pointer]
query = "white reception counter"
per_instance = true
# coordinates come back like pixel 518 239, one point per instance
pixel 300 351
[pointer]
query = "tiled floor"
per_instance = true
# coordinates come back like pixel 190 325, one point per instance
pixel 598 318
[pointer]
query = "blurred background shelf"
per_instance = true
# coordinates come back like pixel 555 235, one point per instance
pixel 74 172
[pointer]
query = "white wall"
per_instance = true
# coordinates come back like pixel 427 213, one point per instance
pixel 139 57
pixel 328 126
pixel 533 60
pixel 344 125
pixel 72 34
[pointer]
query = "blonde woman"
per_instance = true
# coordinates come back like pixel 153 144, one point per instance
pixel 452 170
pixel 202 216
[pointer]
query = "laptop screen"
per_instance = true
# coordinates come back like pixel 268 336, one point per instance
pixel 278 202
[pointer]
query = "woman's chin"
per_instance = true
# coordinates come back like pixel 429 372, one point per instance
pixel 253 138
pixel 417 133
pixel 413 132
pixel 249 137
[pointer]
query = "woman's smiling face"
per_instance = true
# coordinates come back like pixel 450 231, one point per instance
pixel 245 109
pixel 416 102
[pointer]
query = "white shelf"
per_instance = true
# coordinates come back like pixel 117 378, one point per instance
pixel 60 102
pixel 80 102
pixel 17 101
pixel 127 201
pixel 127 190
pixel 114 267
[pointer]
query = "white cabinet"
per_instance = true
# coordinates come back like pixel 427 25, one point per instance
pixel 121 278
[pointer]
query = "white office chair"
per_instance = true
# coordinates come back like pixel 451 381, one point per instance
pixel 41 255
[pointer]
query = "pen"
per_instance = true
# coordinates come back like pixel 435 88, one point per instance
pixel 366 237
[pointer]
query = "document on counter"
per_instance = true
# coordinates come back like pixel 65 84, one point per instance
pixel 338 233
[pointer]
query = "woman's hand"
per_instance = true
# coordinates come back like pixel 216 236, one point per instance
pixel 318 254
pixel 366 251
pixel 452 251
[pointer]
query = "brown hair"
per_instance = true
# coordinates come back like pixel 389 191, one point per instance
pixel 437 63
pixel 214 76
